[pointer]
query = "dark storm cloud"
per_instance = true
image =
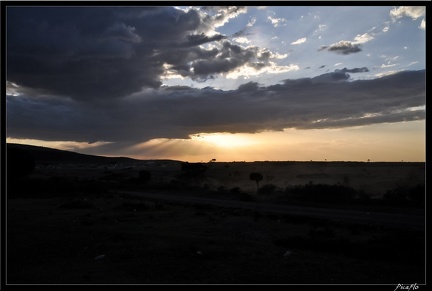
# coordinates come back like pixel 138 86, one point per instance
pixel 326 101
pixel 336 76
pixel 343 48
pixel 91 53
pixel 355 70
pixel 201 64
pixel 248 87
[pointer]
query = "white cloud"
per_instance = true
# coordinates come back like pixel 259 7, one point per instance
pixel 12 89
pixel 321 27
pixel 363 38
pixel 384 74
pixel 180 111
pixel 423 25
pixel 299 41
pixel 347 47
pixel 247 71
pixel 410 11
pixel 278 56
pixel 388 65
pixel 277 21
pixel 241 39
pixel 169 73
pixel 251 22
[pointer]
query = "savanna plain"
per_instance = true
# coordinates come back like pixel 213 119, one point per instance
pixel 78 219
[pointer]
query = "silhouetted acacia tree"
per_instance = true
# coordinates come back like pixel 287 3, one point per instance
pixel 257 177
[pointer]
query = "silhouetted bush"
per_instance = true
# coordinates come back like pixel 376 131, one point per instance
pixel 235 190
pixel 242 196
pixel 268 189
pixel 222 189
pixel 406 195
pixel 245 197
pixel 193 171
pixel 322 192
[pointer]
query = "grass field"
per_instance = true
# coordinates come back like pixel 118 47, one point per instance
pixel 125 240
pixel 69 223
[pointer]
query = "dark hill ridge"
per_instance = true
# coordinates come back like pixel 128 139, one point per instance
pixel 44 155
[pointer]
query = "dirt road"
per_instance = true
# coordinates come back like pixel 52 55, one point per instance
pixel 392 220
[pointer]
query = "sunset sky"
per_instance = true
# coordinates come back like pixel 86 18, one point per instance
pixel 254 83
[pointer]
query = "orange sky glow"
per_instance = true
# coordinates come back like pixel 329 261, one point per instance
pixel 390 142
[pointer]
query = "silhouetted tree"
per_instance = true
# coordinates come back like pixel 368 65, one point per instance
pixel 257 177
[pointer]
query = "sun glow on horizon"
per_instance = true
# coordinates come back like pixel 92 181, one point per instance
pixel 382 142
pixel 226 140
pixel 391 142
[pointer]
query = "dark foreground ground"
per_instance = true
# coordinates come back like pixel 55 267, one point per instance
pixel 80 224
pixel 120 239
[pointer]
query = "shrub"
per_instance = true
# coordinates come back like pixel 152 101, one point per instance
pixel 268 189
pixel 240 195
pixel 221 189
pixel 235 190
pixel 193 171
pixel 402 195
pixel 322 192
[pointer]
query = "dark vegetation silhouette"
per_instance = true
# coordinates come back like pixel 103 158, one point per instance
pixel 129 223
pixel 322 192
pixel 402 195
pixel 268 189
pixel 257 177
pixel 193 171
pixel 235 193
pixel 191 177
